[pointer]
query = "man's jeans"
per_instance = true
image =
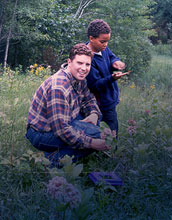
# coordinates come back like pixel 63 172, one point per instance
pixel 54 148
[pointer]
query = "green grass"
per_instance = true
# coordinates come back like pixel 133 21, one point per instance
pixel 143 160
pixel 160 72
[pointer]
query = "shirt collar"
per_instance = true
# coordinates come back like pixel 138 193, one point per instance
pixel 77 85
pixel 98 53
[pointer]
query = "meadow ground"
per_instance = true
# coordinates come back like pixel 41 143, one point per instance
pixel 143 159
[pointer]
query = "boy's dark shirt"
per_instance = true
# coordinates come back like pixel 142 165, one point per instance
pixel 101 82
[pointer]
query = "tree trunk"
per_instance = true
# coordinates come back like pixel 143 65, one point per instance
pixel 9 35
pixel 7 48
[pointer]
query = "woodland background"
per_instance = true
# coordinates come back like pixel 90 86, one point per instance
pixel 35 37
pixel 43 31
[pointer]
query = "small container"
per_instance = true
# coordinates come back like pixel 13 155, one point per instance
pixel 105 177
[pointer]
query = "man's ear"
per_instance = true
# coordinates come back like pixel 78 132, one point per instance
pixel 91 38
pixel 68 61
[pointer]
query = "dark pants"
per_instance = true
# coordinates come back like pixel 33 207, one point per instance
pixel 110 117
pixel 54 148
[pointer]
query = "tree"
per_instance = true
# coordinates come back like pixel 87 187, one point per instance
pixel 131 28
pixel 162 18
pixel 10 33
pixel 43 31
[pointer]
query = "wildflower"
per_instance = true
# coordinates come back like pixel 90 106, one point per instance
pixel 31 71
pixel 41 68
pixel 152 87
pixel 35 65
pixel 147 112
pixel 36 73
pixel 132 86
pixel 132 122
pixel 64 192
pixel 132 130
pixel 31 67
pixel 106 132
pixel 72 195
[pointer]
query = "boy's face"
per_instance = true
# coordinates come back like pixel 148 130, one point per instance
pixel 100 43
pixel 79 66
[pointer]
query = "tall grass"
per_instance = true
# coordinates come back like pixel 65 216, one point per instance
pixel 143 159
pixel 160 73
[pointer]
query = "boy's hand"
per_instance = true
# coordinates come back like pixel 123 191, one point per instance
pixel 119 65
pixel 116 75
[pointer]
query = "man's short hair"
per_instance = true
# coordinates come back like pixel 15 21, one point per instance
pixel 80 49
pixel 97 27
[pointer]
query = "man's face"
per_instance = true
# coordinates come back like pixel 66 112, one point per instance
pixel 100 43
pixel 79 66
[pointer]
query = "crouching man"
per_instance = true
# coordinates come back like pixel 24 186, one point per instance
pixel 63 114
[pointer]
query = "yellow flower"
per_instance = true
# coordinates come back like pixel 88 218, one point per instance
pixel 41 68
pixel 31 71
pixel 132 86
pixel 36 73
pixel 152 87
pixel 35 65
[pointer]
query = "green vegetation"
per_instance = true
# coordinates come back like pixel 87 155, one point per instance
pixel 43 31
pixel 35 37
pixel 143 159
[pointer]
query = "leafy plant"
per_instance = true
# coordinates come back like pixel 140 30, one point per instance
pixel 69 169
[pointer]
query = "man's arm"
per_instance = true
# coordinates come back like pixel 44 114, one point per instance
pixel 59 117
pixel 93 118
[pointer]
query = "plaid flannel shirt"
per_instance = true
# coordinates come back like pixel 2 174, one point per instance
pixel 57 102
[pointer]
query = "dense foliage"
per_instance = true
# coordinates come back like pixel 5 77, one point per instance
pixel 30 190
pixel 162 18
pixel 43 31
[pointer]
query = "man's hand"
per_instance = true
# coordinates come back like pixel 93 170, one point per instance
pixel 91 119
pixel 100 145
pixel 119 65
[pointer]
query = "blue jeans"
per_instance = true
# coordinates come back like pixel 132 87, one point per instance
pixel 54 148
pixel 110 117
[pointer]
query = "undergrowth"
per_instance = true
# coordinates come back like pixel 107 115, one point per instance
pixel 143 159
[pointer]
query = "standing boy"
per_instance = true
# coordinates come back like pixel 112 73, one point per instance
pixel 63 114
pixel 101 79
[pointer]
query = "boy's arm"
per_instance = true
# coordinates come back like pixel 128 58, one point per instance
pixel 119 65
pixel 96 82
pixel 115 61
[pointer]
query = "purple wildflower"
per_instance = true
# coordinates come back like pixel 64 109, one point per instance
pixel 147 112
pixel 131 122
pixel 64 192
pixel 131 130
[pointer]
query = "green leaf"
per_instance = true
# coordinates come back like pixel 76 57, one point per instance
pixel 77 170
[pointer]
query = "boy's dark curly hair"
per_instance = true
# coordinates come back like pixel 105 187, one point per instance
pixel 97 27
pixel 80 49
